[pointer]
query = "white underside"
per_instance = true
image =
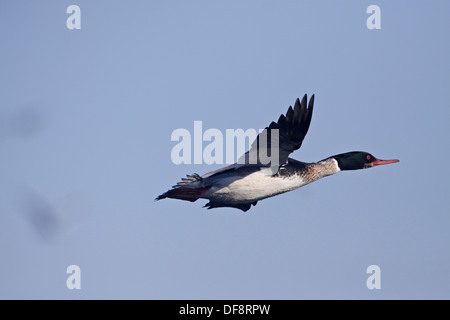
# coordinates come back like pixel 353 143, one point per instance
pixel 251 188
pixel 261 184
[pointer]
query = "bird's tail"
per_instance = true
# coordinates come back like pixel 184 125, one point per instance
pixel 188 189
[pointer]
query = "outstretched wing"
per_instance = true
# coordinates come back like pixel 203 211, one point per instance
pixel 290 129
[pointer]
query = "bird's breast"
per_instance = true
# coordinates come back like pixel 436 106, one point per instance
pixel 253 187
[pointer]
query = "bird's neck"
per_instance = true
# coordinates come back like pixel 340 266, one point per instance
pixel 321 169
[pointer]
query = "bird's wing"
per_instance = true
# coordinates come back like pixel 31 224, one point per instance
pixel 291 129
pixel 243 206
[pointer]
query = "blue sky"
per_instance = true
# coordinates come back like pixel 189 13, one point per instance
pixel 86 118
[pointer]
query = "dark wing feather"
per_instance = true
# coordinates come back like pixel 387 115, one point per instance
pixel 242 206
pixel 292 129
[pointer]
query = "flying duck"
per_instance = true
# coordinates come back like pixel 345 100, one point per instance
pixel 246 182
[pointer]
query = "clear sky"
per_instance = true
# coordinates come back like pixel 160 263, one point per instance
pixel 86 118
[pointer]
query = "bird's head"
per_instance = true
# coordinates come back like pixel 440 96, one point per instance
pixel 359 160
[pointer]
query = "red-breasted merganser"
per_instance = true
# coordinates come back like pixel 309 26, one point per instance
pixel 243 185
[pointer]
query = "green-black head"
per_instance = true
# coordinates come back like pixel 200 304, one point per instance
pixel 356 160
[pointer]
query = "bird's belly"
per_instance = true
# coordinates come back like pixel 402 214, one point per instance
pixel 251 188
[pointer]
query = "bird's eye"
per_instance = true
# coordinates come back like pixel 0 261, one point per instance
pixel 368 157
